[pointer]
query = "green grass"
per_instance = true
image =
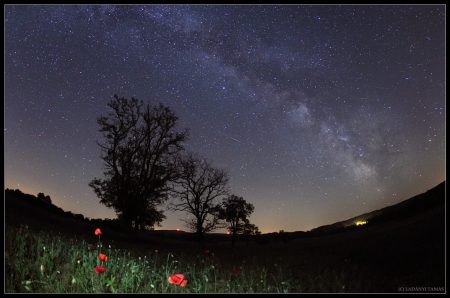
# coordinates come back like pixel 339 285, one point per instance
pixel 40 262
pixel 377 260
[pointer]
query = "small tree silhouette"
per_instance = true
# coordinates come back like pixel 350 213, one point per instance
pixel 250 229
pixel 235 211
pixel 44 198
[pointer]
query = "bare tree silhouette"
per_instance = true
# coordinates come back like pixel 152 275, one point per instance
pixel 197 191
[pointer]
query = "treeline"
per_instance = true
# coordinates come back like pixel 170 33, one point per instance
pixel 27 209
pixel 32 210
pixel 44 201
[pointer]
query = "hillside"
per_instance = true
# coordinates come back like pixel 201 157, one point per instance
pixel 28 209
pixel 419 204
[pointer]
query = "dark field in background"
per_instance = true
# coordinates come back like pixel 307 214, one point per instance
pixel 401 247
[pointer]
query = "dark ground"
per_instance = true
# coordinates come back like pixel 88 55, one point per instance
pixel 404 247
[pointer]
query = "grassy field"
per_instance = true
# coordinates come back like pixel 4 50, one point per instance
pixel 50 251
pixel 374 259
pixel 45 263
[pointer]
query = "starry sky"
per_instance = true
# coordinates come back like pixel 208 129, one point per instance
pixel 318 113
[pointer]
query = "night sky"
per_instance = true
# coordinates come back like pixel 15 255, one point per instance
pixel 318 113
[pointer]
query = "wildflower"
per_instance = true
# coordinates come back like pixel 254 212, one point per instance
pixel 74 280
pixel 98 232
pixel 235 271
pixel 102 257
pixel 156 251
pixel 177 279
pixel 79 262
pixel 42 269
pixel 44 248
pixel 99 270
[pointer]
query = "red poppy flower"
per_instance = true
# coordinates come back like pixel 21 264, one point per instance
pixel 102 257
pixel 99 270
pixel 98 232
pixel 177 279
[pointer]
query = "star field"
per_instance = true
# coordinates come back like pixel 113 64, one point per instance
pixel 318 113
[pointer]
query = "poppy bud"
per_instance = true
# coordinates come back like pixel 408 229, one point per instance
pixel 98 232
pixel 102 257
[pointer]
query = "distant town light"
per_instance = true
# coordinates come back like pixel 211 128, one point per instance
pixel 360 222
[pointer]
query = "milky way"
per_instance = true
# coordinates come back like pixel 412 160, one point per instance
pixel 318 113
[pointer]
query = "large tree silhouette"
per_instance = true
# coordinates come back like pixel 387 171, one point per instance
pixel 139 150
pixel 235 211
pixel 197 192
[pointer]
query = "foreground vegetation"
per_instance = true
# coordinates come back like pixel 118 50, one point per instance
pixel 41 262
pixel 47 251
pixel 370 259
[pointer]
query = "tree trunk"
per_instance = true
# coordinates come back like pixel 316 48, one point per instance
pixel 128 222
pixel 199 232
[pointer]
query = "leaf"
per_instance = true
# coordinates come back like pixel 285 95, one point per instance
pixel 110 282
pixel 27 284
pixel 134 269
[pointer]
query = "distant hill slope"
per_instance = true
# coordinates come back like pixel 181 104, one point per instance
pixel 28 209
pixel 433 198
pixel 21 208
